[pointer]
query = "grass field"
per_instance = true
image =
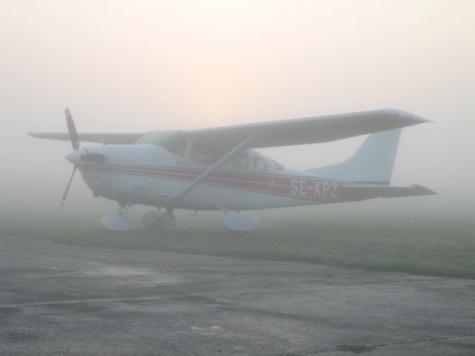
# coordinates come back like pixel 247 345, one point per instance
pixel 380 235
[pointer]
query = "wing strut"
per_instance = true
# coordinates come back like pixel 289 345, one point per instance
pixel 211 169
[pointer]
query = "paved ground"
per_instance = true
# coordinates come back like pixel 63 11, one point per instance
pixel 60 300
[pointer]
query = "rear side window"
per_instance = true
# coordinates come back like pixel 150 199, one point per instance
pixel 278 166
pixel 258 164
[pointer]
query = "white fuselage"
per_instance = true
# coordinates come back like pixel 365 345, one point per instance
pixel 151 175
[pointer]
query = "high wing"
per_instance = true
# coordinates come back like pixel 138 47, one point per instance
pixel 315 129
pixel 275 133
pixel 104 137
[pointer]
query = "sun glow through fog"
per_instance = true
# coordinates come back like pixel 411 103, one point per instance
pixel 126 65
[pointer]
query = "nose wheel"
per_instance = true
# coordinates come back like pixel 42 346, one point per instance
pixel 118 221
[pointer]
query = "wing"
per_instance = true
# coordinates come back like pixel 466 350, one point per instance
pixel 104 137
pixel 315 129
pixel 306 130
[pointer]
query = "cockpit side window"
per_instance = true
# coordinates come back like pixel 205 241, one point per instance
pixel 238 161
pixel 205 154
pixel 258 164
pixel 175 145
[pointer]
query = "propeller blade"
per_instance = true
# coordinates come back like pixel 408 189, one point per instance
pixel 68 186
pixel 73 134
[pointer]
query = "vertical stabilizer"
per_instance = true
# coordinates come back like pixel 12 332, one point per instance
pixel 372 164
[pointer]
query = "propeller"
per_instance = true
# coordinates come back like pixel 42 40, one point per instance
pixel 68 186
pixel 73 136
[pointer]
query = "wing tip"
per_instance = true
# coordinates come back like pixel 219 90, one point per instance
pixel 423 190
pixel 406 115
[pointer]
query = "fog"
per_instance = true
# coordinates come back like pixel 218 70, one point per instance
pixel 123 65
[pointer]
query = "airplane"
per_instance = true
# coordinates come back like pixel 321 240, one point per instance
pixel 220 168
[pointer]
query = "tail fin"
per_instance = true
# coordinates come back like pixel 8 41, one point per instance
pixel 372 164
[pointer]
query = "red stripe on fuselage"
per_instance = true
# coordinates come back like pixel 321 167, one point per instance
pixel 301 187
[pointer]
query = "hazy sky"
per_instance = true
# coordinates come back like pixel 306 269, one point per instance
pixel 142 65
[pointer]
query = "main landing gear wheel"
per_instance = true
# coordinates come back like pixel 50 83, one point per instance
pixel 157 219
pixel 240 223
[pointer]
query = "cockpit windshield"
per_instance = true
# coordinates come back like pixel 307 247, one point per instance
pixel 172 141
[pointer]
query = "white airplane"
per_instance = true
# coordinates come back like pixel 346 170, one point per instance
pixel 219 168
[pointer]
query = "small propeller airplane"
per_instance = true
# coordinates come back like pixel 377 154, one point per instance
pixel 219 168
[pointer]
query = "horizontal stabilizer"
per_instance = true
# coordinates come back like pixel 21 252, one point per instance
pixel 365 192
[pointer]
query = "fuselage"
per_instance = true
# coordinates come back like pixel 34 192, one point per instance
pixel 152 175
